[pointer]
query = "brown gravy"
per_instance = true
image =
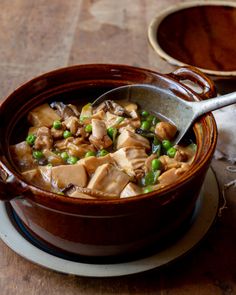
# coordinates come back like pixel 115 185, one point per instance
pixel 202 36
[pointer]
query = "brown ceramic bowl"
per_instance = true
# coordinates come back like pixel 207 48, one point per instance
pixel 197 33
pixel 102 228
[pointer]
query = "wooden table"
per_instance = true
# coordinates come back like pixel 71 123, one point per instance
pixel 39 36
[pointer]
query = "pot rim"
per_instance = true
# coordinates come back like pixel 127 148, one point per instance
pixel 66 200
pixel 156 21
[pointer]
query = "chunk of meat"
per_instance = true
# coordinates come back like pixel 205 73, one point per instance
pixel 107 178
pixel 165 130
pixel 43 115
pixel 168 163
pixel 92 163
pixel 22 156
pixel 57 134
pixel 99 137
pixel 64 175
pixel 79 150
pixel 72 123
pixel 53 158
pixel 63 143
pixel 171 176
pixel 44 139
pixel 130 139
pixel 39 177
pixel 130 159
pixel 185 153
pixel 131 190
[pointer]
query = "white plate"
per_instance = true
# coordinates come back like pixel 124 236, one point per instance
pixel 205 214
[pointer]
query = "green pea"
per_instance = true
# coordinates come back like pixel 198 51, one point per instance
pixel 72 160
pixel 90 154
pixel 156 164
pixel 145 125
pixel 166 144
pixel 150 118
pixel 67 134
pixel 147 190
pixel 171 152
pixel 57 124
pixel 144 113
pixel 30 139
pixel 102 153
pixel 88 128
pixel 64 156
pixel 37 155
pixel 111 131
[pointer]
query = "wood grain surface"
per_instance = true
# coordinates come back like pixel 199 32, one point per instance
pixel 39 36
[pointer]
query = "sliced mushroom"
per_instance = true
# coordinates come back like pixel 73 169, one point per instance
pixel 63 110
pixel 112 107
pixel 99 137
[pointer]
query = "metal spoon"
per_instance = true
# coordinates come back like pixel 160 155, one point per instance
pixel 166 105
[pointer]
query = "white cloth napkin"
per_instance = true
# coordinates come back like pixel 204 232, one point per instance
pixel 226 124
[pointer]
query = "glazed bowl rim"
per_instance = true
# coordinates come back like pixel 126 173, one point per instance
pixel 194 169
pixel 156 21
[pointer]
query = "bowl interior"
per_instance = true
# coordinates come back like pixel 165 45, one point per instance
pixel 82 84
pixel 199 34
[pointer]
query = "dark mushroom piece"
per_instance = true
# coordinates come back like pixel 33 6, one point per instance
pixel 65 111
pixel 114 108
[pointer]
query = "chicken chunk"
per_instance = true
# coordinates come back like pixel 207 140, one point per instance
pixel 171 176
pixel 128 139
pixel 43 115
pixel 165 130
pixel 99 137
pixel 79 150
pixel 131 190
pixel 72 123
pixel 92 163
pixel 40 177
pixel 44 139
pixel 130 159
pixel 64 175
pixel 22 156
pixel 107 178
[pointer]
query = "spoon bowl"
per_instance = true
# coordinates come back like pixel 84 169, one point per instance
pixel 169 107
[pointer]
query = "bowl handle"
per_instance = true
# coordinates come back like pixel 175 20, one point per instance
pixel 10 187
pixel 197 77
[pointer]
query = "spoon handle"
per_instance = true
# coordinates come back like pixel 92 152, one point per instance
pixel 205 106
